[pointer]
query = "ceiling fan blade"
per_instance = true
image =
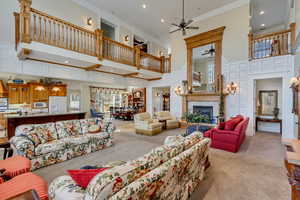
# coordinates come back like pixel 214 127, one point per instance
pixel 175 30
pixel 175 24
pixel 189 22
pixel 192 27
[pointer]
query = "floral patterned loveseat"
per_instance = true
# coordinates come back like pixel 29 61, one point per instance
pixel 171 171
pixel 47 144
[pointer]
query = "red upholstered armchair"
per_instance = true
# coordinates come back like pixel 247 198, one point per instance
pixel 229 135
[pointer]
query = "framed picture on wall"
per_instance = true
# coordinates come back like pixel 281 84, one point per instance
pixel 268 100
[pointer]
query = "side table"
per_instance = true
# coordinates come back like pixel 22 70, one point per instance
pixel 164 122
pixel 4 144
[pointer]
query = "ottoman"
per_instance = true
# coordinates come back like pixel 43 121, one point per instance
pixel 15 165
pixel 24 183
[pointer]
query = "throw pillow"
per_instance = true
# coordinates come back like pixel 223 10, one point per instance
pixel 231 124
pixel 82 177
pixel 221 126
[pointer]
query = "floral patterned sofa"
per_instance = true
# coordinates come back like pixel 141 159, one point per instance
pixel 171 171
pixel 47 144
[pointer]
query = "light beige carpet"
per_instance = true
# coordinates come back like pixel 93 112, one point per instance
pixel 256 172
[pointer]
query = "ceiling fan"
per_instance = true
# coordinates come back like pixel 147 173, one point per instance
pixel 210 51
pixel 183 26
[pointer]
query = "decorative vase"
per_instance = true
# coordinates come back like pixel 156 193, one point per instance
pixel 276 113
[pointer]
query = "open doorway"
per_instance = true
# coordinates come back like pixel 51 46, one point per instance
pixel 269 106
pixel 161 99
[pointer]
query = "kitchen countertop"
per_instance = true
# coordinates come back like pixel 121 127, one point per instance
pixel 12 116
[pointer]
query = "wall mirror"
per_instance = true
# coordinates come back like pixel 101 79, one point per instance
pixel 268 100
pixel 203 70
pixel 204 56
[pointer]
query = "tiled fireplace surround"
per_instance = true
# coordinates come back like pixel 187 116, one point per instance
pixel 215 106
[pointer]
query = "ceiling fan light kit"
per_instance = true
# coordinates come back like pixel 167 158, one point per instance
pixel 183 26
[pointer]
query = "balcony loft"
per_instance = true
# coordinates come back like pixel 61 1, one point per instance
pixel 44 38
pixel 272 44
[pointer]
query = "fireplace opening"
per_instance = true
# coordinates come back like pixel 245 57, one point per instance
pixel 204 110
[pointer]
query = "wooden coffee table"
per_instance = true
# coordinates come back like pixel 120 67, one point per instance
pixel 8 151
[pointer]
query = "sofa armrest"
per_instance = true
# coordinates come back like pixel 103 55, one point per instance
pixel 63 187
pixel 218 131
pixel 142 123
pixel 23 146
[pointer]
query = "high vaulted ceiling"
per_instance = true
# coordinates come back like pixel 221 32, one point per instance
pixel 149 19
pixel 276 13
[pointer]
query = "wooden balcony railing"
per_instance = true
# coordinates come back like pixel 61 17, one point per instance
pixel 151 62
pixel 34 25
pixel 167 64
pixel 273 44
pixel 118 52
pixel 56 32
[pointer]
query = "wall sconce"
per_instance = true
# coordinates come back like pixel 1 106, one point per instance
pixel 294 82
pixel 56 89
pixel 39 88
pixel 231 88
pixel 89 21
pixel 126 38
pixel 178 90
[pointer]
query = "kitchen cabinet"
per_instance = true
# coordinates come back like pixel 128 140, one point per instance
pixel 58 90
pixel 38 92
pixel 18 93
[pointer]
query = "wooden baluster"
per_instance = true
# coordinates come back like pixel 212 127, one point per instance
pixel 62 35
pixel 83 45
pixel 59 41
pixel 137 57
pixel 81 40
pixel 25 13
pixel 287 42
pixel 40 28
pixel 74 39
pixel 71 38
pixel 54 33
pixel 162 64
pixel 87 43
pixel 293 37
pixel 45 29
pixel 50 30
pixel 34 27
pixel 67 37
pixel 250 48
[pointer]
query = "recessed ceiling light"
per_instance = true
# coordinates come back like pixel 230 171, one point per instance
pixel 144 6
pixel 162 21
pixel 262 12
pixel 263 25
pixel 67 62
